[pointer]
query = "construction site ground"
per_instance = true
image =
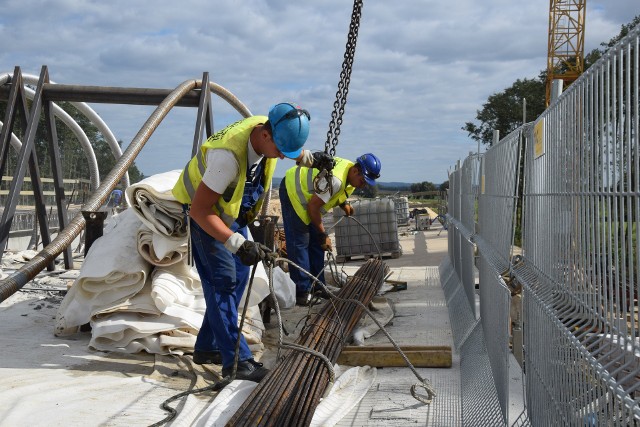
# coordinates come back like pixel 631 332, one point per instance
pixel 49 380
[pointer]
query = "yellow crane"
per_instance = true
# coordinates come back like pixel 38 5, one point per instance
pixel 565 58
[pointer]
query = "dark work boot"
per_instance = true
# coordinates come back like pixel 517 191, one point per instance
pixel 247 370
pixel 303 299
pixel 207 357
pixel 320 291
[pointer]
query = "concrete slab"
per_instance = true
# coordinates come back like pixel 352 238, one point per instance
pixel 421 318
pixel 124 390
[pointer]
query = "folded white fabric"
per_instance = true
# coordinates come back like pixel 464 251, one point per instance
pixel 130 332
pixel 137 324
pixel 139 303
pixel 153 202
pixel 161 250
pixel 382 309
pixel 176 291
pixel 349 389
pixel 112 272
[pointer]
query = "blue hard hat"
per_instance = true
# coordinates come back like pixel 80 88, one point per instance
pixel 370 166
pixel 289 128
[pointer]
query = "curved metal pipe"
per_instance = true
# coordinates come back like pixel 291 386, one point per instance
pixel 58 112
pixel 90 154
pixel 89 113
pixel 15 141
pixel 12 283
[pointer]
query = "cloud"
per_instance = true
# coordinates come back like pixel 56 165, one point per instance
pixel 421 68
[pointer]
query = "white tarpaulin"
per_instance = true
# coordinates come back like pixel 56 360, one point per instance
pixel 112 272
pixel 136 288
pixel 152 200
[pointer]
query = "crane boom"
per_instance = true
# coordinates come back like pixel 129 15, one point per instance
pixel 565 59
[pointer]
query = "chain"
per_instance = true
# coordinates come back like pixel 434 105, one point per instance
pixel 345 78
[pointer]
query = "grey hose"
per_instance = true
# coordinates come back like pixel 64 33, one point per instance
pixel 15 281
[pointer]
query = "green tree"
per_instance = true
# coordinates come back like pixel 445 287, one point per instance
pixel 423 186
pixel 596 54
pixel 503 110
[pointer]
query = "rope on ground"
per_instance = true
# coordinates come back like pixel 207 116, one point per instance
pixel 425 384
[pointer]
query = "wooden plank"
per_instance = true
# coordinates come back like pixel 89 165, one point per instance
pixel 388 356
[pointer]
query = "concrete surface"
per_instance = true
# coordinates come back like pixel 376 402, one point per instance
pixel 42 373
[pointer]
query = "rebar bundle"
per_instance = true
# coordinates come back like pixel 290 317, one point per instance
pixel 290 393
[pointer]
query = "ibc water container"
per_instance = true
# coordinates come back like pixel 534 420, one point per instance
pixel 378 234
pixel 402 209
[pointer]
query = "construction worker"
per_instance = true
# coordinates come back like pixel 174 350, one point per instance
pixel 222 189
pixel 115 198
pixel 302 210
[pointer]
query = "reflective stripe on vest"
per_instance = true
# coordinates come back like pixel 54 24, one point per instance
pixel 299 183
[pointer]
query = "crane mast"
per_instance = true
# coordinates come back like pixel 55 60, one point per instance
pixel 565 59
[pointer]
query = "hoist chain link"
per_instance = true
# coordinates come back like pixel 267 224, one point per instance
pixel 345 78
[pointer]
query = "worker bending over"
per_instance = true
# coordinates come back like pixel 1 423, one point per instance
pixel 302 210
pixel 222 188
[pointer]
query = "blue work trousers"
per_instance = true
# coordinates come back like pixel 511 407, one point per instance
pixel 223 279
pixel 303 245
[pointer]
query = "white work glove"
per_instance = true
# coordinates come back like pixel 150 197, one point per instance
pixel 306 160
pixel 318 160
pixel 234 242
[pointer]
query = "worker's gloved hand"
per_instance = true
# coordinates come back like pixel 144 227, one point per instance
pixel 322 160
pixel 249 252
pixel 348 209
pixel 325 242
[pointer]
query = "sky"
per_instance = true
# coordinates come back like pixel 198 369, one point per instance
pixel 421 68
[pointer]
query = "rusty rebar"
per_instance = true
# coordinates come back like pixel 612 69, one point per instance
pixel 290 393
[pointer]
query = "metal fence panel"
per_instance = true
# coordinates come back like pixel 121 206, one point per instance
pixel 479 398
pixel 495 302
pixel 581 246
pixel 581 257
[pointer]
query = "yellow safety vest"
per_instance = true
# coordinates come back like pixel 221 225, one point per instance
pixel 233 138
pixel 299 183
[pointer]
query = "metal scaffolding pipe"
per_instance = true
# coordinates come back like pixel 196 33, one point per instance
pixel 111 95
pixel 15 281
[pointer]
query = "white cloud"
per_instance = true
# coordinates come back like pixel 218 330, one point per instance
pixel 421 70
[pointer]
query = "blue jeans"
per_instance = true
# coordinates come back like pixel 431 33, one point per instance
pixel 303 245
pixel 223 279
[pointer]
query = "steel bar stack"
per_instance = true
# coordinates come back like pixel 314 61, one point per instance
pixel 290 393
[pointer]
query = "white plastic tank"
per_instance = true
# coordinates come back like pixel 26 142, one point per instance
pixel 402 209
pixel 377 234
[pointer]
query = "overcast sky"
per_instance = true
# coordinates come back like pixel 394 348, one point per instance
pixel 421 69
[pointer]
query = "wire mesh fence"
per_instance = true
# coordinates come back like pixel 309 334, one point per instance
pixel 571 287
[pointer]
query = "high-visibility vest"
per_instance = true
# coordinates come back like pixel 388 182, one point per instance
pixel 233 138
pixel 299 183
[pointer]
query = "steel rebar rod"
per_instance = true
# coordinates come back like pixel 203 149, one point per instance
pixel 289 394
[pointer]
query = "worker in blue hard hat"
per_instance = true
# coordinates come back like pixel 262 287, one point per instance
pixel 302 210
pixel 222 189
